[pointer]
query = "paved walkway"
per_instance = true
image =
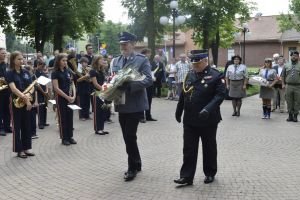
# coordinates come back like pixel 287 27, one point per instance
pixel 258 159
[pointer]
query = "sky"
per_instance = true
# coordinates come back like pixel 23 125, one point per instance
pixel 114 11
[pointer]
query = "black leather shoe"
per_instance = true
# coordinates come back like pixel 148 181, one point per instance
pixel 290 118
pixel 46 124
pixel 151 119
pixel 100 133
pixel 184 181
pixel 130 175
pixel 8 130
pixel 233 114
pixel 142 121
pixel 22 155
pixel 2 134
pixel 209 179
pixel 72 141
pixel 41 127
pixel 66 142
pixel 295 118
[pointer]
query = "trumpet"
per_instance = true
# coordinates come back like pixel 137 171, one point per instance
pixel 3 84
pixel 19 102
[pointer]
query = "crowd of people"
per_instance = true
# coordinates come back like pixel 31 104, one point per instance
pixel 79 78
pixel 281 88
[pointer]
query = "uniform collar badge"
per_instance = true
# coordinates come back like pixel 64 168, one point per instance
pixel 207 77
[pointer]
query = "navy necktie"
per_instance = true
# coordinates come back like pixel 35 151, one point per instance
pixel 124 62
pixel 266 74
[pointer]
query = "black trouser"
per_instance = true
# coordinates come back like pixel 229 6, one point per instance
pixel 149 96
pixel 21 121
pixel 84 103
pixel 33 120
pixel 65 118
pixel 190 150
pixel 99 113
pixel 4 110
pixel 157 87
pixel 41 110
pixel 129 124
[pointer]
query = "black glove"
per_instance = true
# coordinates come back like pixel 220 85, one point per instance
pixel 124 87
pixel 203 114
pixel 178 116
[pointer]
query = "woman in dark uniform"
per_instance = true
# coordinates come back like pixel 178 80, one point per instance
pixel 65 93
pixel 83 90
pixel 267 93
pixel 97 75
pixel 18 80
pixel 236 81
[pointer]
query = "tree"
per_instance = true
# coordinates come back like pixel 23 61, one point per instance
pixel 107 33
pixel 73 18
pixel 213 21
pixel 4 15
pixel 292 19
pixel 45 20
pixel 13 43
pixel 145 15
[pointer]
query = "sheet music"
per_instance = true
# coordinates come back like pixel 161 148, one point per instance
pixel 74 107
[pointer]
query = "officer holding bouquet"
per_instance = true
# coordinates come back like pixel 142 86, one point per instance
pixel 203 93
pixel 131 111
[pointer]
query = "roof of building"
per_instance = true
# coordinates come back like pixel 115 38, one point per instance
pixel 180 39
pixel 266 28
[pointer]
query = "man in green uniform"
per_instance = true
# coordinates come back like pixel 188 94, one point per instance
pixel 291 82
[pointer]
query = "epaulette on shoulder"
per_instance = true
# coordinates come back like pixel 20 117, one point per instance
pixel 216 70
pixel 142 55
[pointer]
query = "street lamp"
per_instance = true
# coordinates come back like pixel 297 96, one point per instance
pixel 177 20
pixel 245 29
pixel 98 43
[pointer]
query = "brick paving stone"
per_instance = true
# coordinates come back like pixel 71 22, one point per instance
pixel 258 159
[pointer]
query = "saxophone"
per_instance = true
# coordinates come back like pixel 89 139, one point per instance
pixel 3 85
pixel 19 102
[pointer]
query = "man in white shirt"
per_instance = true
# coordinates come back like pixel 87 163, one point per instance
pixel 182 68
pixel 279 99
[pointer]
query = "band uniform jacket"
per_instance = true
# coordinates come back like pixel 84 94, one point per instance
pixel 203 90
pixel 136 97
pixel 159 70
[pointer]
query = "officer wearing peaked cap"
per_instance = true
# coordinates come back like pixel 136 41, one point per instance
pixel 135 100
pixel 203 93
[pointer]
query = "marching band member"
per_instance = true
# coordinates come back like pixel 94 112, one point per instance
pixel 65 93
pixel 4 96
pixel 97 75
pixel 19 81
pixel 42 96
pixel 83 90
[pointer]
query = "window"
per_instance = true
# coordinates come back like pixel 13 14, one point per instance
pixel 230 53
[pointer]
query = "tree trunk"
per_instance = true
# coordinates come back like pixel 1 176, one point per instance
pixel 205 39
pixel 215 48
pixel 151 27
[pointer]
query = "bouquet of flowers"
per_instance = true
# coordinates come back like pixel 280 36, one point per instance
pixel 258 80
pixel 111 91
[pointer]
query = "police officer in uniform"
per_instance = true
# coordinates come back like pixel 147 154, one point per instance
pixel 135 100
pixel 291 82
pixel 203 93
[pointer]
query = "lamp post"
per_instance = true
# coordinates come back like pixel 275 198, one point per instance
pixel 177 20
pixel 245 29
pixel 98 44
